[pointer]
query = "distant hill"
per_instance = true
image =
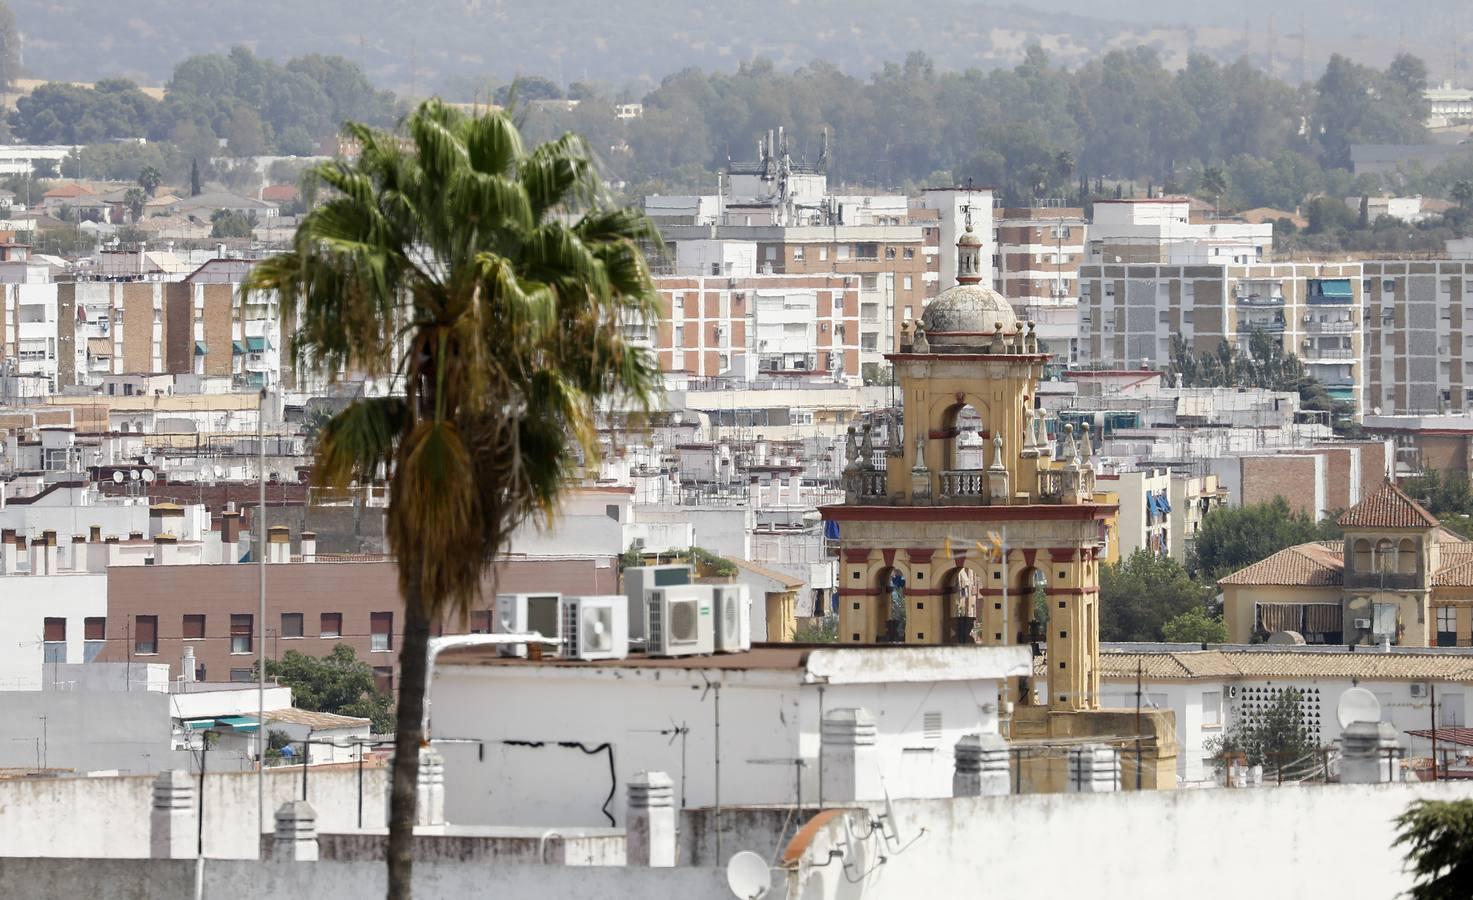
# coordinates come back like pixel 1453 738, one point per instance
pixel 457 47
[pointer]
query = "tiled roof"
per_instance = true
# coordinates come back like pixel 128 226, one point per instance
pixel 318 721
pixel 1388 507
pixel 1366 664
pixel 1319 564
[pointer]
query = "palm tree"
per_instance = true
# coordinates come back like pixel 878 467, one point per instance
pixel 490 283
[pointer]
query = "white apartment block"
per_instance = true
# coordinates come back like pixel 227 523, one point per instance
pixel 1418 347
pixel 1162 230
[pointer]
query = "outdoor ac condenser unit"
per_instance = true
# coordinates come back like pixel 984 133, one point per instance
pixel 595 627
pixel 520 613
pixel 733 610
pixel 679 621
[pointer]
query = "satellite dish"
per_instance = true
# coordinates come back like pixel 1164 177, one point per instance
pixel 891 824
pixel 1357 705
pixel 856 853
pixel 117 477
pixel 148 475
pixel 133 474
pixel 748 876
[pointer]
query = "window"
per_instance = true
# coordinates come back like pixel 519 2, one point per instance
pixel 194 627
pixel 242 676
pixel 145 634
pixel 1447 626
pixel 481 621
pixel 838 301
pixel 823 253
pixel 291 625
pixel 382 628
pixel 383 678
pixel 843 251
pixel 1211 709
pixel 905 282
pixel 910 253
pixel 241 626
pixel 797 253
pixel 331 625
pixel 94 628
pixel 54 629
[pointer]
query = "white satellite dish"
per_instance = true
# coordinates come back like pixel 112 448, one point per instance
pixel 1357 705
pixel 133 474
pixel 748 876
pixel 891 824
pixel 148 475
pixel 856 853
pixel 117 477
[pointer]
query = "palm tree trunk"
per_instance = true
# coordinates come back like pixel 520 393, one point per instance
pixel 408 736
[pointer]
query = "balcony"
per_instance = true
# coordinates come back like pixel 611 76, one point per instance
pixel 1330 327
pixel 963 487
pixel 1053 484
pixel 1267 326
pixel 1260 300
pixel 1318 354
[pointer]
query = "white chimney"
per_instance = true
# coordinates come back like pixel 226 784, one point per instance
pixel 49 551
pixel 186 665
pixel 38 557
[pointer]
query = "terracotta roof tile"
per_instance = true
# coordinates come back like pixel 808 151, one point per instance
pixel 1388 507
pixel 1319 564
pixel 1366 664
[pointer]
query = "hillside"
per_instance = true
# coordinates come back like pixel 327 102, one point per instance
pixel 458 46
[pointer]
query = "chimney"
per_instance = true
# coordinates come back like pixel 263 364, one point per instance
pixel 278 544
pixel 981 762
pixel 49 551
pixel 1094 769
pixel 650 833
pixel 309 546
pixel 186 665
pixel 135 535
pixel 77 559
pixel 173 823
pixel 165 550
pixel 8 565
pixel 850 770
pixel 37 555
pixel 97 553
pixel 230 537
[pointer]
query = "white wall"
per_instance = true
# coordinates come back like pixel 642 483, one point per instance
pixel 766 715
pixel 26 601
pixel 109 817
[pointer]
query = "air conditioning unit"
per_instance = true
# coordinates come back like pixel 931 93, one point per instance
pixel 1363 624
pixel 638 580
pixel 1419 690
pixel 521 613
pixel 595 627
pixel 679 622
pixel 733 609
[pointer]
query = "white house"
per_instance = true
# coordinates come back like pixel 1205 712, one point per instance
pixel 554 742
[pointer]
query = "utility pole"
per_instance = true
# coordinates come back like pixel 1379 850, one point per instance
pixel 261 618
pixel 1433 687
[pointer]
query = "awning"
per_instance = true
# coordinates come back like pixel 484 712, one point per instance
pixel 257 344
pixel 200 349
pixel 1152 506
pixel 1165 502
pixel 239 723
pixel 239 347
pixel 199 724
pixel 831 530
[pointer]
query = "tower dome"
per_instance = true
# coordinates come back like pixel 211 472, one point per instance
pixel 969 310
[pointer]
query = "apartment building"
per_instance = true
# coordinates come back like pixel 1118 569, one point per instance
pixel 1039 251
pixel 1418 356
pixel 1165 230
pixel 1129 314
pixel 743 327
pixel 28 333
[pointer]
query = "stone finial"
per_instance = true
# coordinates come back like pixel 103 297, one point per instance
pixel 867 447
pixel 999 344
pixel 650 833
pixel 981 766
pixel 174 820
pixel 919 343
pixel 1071 449
pixel 851 450
pixel 920 476
pixel 296 832
pixel 997 474
pixel 1030 345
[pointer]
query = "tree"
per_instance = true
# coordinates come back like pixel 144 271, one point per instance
pixel 1233 537
pixel 149 179
pixel 194 182
pixel 337 683
pixel 1195 626
pixel 490 280
pixel 1142 593
pixel 135 199
pixel 226 223
pixel 1462 192
pixel 10 44
pixel 824 630
pixel 1438 836
pixel 1278 736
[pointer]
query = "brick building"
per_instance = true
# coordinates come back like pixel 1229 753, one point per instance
pixel 154 612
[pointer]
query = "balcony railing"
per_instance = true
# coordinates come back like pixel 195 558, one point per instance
pixel 1266 326
pixel 1331 327
pixel 1256 299
pixel 964 487
pixel 873 485
pixel 1335 353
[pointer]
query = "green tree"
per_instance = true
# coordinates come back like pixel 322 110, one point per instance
pixel 1142 593
pixel 226 223
pixel 1278 736
pixel 492 281
pixel 134 199
pixel 1195 626
pixel 337 683
pixel 1438 837
pixel 149 179
pixel 824 630
pixel 1462 192
pixel 1234 537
